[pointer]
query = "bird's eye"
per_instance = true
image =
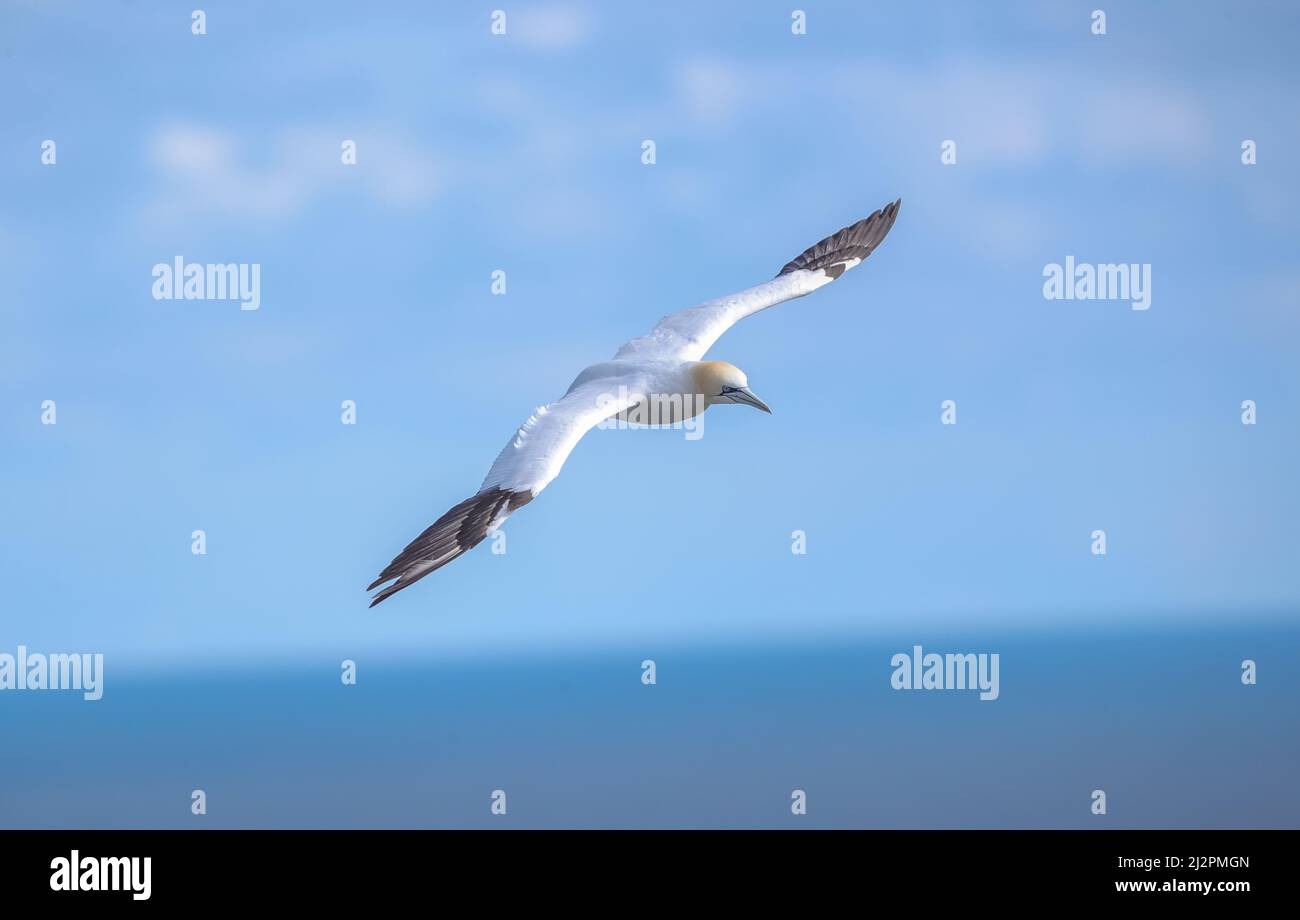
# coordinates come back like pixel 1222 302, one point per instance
pixel 726 390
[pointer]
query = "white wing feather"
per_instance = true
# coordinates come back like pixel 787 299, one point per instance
pixel 531 460
pixel 687 334
pixel 538 450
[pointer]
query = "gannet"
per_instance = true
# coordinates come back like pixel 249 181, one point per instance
pixel 663 368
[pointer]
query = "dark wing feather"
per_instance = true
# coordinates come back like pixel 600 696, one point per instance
pixel 856 241
pixel 459 530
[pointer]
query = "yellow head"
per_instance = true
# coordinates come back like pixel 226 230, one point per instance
pixel 720 382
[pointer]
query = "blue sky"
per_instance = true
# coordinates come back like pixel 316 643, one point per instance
pixel 523 153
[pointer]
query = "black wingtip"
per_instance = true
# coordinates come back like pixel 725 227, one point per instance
pixel 856 241
pixel 394 588
pixel 456 532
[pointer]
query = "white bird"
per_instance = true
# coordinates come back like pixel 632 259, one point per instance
pixel 659 376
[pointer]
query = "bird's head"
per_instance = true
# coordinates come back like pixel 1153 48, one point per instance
pixel 721 383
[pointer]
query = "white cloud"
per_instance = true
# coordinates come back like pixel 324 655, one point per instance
pixel 1024 112
pixel 205 171
pixel 185 149
pixel 401 175
pixel 1140 122
pixel 550 28
pixel 713 90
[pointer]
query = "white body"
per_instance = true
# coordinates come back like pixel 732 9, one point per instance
pixel 662 363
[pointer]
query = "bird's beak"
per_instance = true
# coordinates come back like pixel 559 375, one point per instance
pixel 745 396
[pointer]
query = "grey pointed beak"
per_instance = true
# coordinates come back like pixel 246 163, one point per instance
pixel 745 396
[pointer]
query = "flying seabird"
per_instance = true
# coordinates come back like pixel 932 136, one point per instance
pixel 660 369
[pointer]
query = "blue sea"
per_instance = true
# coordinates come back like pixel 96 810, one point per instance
pixel 1160 720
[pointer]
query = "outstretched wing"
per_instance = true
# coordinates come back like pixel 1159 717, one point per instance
pixel 688 334
pixel 531 460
